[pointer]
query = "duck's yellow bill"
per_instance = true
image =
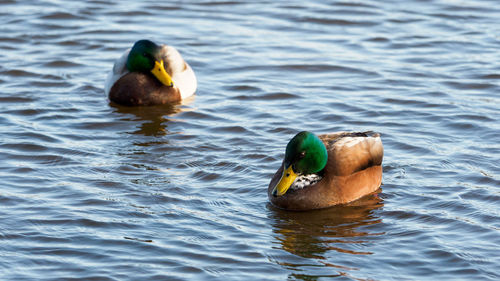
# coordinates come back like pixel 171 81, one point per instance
pixel 160 74
pixel 285 182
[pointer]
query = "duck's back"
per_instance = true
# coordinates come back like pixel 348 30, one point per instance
pixel 350 152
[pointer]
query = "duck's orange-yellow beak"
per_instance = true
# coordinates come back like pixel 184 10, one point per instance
pixel 285 182
pixel 160 74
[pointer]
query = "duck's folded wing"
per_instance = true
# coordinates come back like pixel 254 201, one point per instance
pixel 173 61
pixel 349 153
pixel 182 74
pixel 119 69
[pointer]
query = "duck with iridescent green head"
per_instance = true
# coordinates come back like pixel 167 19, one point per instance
pixel 327 170
pixel 150 74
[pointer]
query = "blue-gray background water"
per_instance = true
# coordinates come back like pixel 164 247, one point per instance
pixel 94 190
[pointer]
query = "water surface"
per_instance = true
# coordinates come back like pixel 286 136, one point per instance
pixel 92 190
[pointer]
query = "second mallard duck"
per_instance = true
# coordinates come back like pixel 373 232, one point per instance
pixel 331 169
pixel 150 74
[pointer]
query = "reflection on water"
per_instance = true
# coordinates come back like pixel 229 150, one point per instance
pixel 320 233
pixel 154 117
pixel 78 174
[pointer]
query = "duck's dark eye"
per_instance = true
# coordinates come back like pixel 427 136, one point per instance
pixel 148 55
pixel 302 154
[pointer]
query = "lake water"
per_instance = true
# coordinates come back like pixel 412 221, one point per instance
pixel 96 191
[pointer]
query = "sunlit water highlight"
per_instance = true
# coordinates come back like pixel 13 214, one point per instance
pixel 95 190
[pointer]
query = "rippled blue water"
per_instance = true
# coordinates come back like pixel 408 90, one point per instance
pixel 91 190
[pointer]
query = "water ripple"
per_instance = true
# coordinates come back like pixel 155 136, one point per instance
pixel 87 182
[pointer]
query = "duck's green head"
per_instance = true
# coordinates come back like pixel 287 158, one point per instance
pixel 305 154
pixel 146 57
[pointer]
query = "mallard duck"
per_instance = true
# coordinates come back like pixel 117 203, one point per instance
pixel 150 74
pixel 326 170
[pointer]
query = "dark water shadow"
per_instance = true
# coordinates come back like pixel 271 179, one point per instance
pixel 153 119
pixel 318 234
